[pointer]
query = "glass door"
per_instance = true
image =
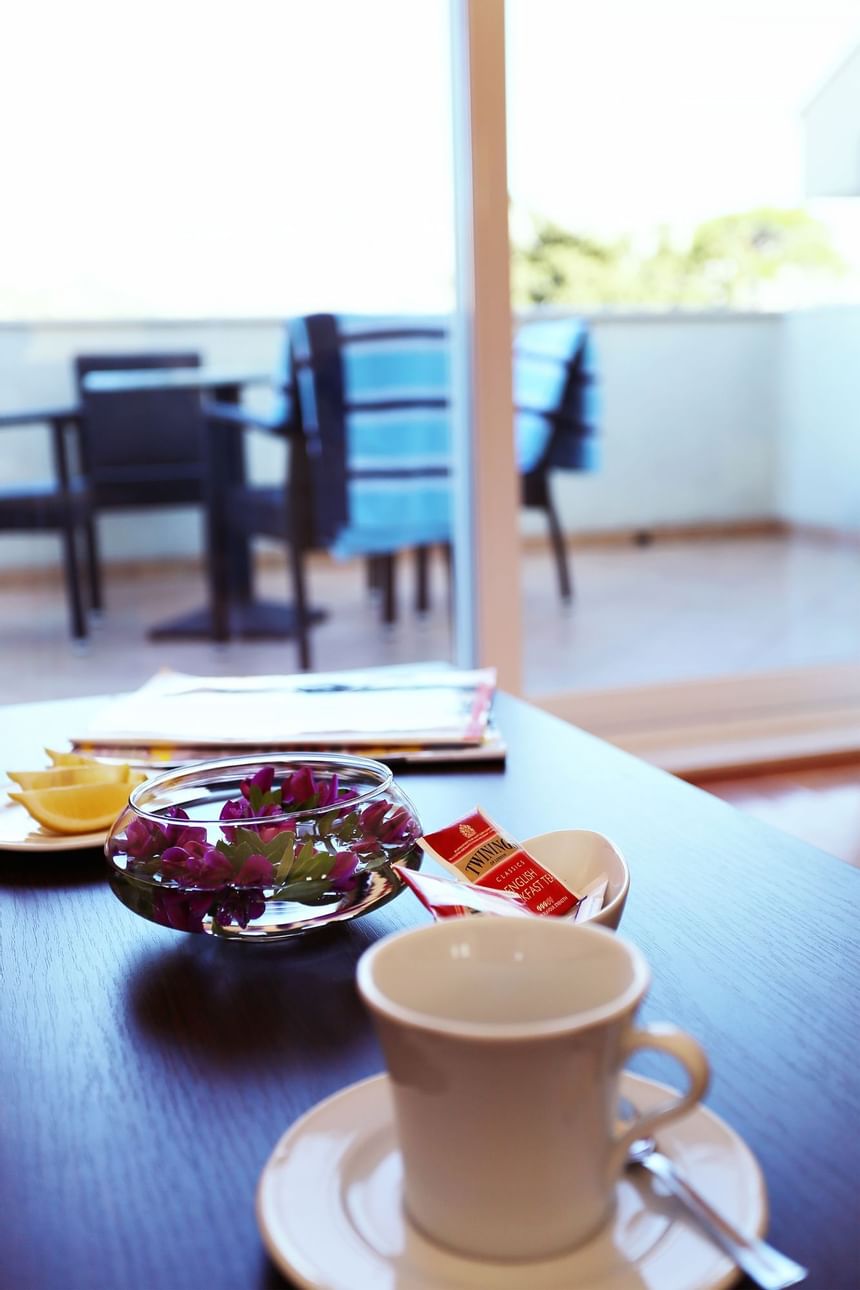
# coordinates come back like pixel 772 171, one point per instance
pixel 686 239
pixel 257 190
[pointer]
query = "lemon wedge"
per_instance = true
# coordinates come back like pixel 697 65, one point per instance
pixel 63 776
pixel 75 808
pixel 70 758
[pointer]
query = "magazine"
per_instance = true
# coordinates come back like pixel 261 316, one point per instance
pixel 406 713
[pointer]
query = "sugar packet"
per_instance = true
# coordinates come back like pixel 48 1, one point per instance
pixel 591 901
pixel 445 898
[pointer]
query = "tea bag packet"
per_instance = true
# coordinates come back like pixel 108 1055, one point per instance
pixel 477 851
pixel 592 900
pixel 445 898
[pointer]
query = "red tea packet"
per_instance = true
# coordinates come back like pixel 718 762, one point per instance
pixel 477 850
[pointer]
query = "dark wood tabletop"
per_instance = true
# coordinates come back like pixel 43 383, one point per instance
pixel 10 419
pixel 205 379
pixel 147 1074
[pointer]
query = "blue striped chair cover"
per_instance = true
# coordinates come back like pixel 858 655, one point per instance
pixel 373 394
pixel 555 396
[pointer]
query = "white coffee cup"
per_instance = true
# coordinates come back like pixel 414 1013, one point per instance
pixel 504 1039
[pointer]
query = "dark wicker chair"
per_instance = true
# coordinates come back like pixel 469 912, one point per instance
pixel 141 448
pixel 60 505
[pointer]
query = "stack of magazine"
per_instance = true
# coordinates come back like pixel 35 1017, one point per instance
pixel 397 714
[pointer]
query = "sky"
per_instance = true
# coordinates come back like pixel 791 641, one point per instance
pixel 665 111
pixel 196 159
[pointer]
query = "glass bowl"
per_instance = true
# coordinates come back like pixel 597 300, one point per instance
pixel 261 848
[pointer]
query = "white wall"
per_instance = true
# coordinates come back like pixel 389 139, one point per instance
pixel 690 420
pixel 689 423
pixel 819 477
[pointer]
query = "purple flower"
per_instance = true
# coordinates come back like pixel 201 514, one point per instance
pixel 180 910
pixel 174 862
pixel 380 829
pixel 239 906
pixel 262 780
pixel 300 789
pixel 237 808
pixel 212 869
pixel 145 838
pixel 257 871
pixel 342 875
pixel 329 791
pixel 189 838
pixel 304 792
pixel 196 865
pixel 269 831
pixel 241 812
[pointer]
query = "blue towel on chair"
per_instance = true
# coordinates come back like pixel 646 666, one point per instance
pixel 555 395
pixel 374 396
pixel 396 391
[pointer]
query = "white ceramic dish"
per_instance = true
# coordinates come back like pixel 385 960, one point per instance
pixel 578 856
pixel 20 832
pixel 329 1209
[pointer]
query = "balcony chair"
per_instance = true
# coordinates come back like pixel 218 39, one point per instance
pixel 331 499
pixel 141 448
pixel 61 506
pixel 556 417
pixel 373 395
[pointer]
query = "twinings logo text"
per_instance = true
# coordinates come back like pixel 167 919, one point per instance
pixel 486 854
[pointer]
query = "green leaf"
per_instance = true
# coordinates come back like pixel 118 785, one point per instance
pixel 247 837
pixel 277 846
pixel 348 827
pixel 308 892
pixel 148 866
pixel 284 862
pixel 372 863
pixel 245 843
pixel 325 823
pixel 310 862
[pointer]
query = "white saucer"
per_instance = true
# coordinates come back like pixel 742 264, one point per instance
pixel 19 832
pixel 328 1208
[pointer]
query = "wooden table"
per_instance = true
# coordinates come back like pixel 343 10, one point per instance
pixel 232 610
pixel 146 1074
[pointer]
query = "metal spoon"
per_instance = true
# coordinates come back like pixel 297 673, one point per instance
pixel 760 1261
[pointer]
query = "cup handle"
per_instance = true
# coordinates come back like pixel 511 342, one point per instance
pixel 665 1038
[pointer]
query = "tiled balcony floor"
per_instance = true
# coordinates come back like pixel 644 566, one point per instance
pixel 672 610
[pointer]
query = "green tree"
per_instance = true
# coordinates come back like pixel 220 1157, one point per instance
pixel 728 261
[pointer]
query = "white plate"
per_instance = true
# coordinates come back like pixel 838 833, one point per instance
pixel 328 1207
pixel 20 832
